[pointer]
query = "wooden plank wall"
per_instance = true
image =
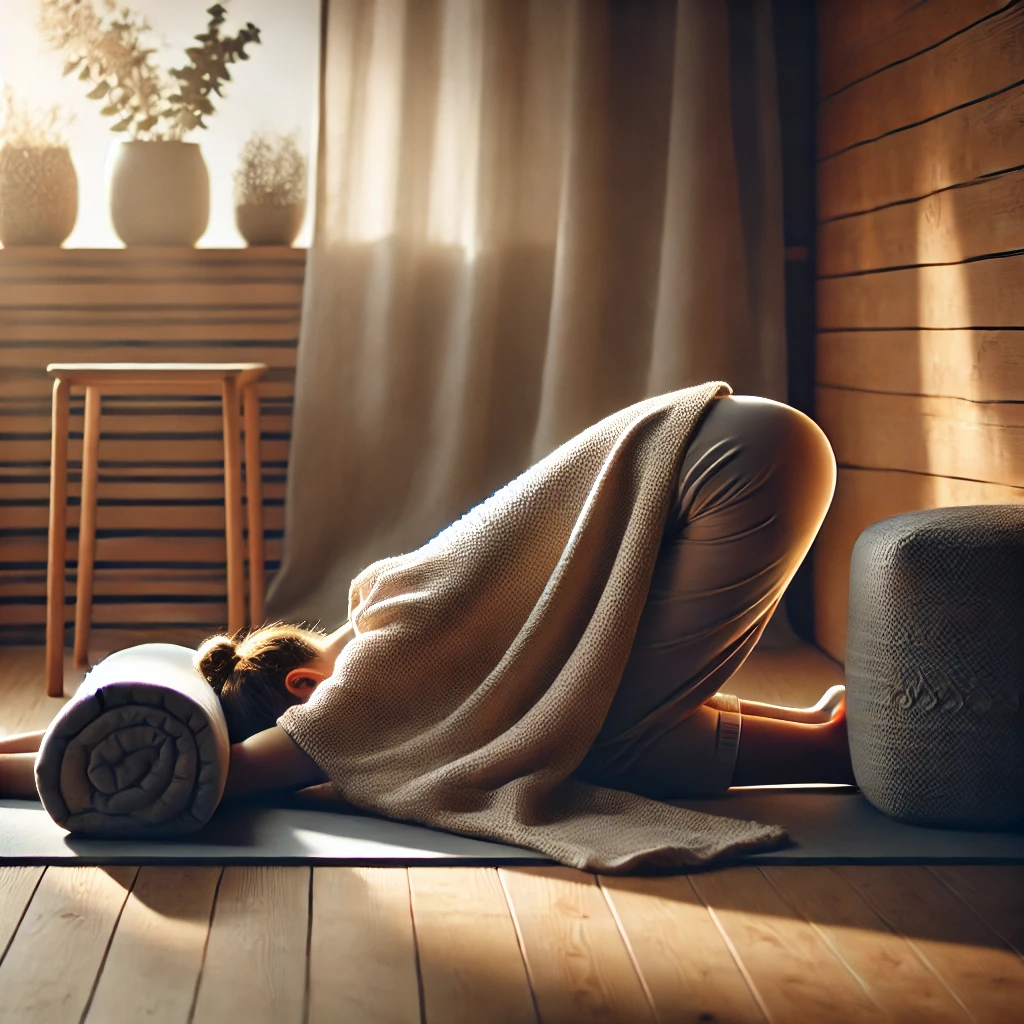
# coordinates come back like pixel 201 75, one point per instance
pixel 160 525
pixel 920 261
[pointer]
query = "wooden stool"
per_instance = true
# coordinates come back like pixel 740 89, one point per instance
pixel 236 383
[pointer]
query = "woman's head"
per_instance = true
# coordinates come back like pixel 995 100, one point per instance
pixel 258 675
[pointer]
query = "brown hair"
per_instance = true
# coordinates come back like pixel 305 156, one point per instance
pixel 247 672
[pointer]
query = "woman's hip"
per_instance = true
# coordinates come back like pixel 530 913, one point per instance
pixel 752 491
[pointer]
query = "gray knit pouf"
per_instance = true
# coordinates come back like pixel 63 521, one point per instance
pixel 935 666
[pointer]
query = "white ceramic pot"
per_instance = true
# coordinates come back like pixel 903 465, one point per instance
pixel 159 192
pixel 38 195
pixel 265 224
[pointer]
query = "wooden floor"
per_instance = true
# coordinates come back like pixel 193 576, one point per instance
pixel 284 944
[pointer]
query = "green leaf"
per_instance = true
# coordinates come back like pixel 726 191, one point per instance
pixel 99 92
pixel 122 126
pixel 83 75
pixel 71 65
pixel 110 110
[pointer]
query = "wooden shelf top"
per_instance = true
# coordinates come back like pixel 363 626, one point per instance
pixel 163 253
pixel 155 374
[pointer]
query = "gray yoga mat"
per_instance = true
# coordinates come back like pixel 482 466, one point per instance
pixel 827 825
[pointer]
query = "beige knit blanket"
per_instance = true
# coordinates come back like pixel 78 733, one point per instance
pixel 484 663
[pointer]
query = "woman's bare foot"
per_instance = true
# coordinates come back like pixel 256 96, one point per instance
pixel 833 702
pixel 819 713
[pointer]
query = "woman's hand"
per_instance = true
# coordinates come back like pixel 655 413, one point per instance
pixel 268 761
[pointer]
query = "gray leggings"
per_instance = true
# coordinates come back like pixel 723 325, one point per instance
pixel 752 492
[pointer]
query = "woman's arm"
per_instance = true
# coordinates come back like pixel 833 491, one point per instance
pixel 22 743
pixel 336 641
pixel 17 776
pixel 267 761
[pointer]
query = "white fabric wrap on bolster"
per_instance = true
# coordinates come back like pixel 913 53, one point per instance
pixel 142 749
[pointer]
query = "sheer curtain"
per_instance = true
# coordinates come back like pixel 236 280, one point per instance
pixel 530 213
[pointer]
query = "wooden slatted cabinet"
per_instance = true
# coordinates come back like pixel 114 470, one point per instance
pixel 160 547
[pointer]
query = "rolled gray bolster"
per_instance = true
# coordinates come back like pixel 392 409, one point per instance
pixel 141 750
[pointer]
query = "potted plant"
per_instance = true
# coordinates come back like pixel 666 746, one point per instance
pixel 158 183
pixel 38 184
pixel 270 189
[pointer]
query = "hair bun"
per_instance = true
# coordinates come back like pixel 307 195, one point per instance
pixel 216 660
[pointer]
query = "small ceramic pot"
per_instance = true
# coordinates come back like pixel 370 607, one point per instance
pixel 38 195
pixel 266 224
pixel 159 192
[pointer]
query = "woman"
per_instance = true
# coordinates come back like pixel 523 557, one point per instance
pixel 752 490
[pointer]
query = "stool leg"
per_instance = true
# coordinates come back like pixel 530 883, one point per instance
pixel 254 503
pixel 87 526
pixel 233 506
pixel 57 546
